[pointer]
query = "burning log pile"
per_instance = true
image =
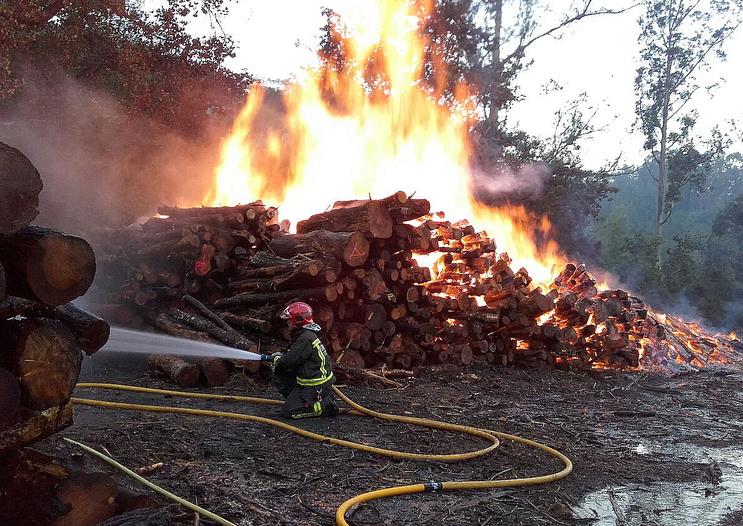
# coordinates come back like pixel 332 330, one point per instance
pixel 224 274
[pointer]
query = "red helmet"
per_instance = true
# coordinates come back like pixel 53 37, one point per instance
pixel 298 314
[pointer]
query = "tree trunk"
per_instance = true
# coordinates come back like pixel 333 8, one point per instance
pixel 45 355
pixel 663 158
pixel 47 266
pixel 497 67
pixel 180 371
pixel 371 217
pixel 20 185
pixel 92 332
pixel 351 247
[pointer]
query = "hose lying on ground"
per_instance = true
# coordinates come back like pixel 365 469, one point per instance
pixel 493 437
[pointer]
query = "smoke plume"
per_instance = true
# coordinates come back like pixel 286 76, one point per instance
pixel 502 183
pixel 100 165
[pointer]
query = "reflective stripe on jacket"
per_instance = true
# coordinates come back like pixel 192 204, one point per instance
pixel 308 358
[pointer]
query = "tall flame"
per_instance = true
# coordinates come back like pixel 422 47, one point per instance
pixel 340 135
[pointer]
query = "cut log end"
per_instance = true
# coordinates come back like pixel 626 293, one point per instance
pixel 47 266
pixel 20 185
pixel 46 356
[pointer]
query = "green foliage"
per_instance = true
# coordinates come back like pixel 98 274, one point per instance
pixel 702 263
pixel 147 61
pixel 679 39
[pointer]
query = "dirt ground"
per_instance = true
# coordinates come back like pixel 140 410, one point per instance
pixel 647 449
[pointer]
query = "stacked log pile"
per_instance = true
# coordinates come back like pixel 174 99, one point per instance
pixel 42 334
pixel 42 339
pixel 360 265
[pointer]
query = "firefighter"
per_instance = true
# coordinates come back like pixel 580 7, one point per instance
pixel 304 373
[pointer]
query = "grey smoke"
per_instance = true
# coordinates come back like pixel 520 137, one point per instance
pixel 99 163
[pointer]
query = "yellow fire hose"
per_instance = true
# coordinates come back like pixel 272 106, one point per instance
pixel 493 437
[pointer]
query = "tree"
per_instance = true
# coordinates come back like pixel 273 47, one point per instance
pixel 486 42
pixel 114 100
pixel 679 39
pixel 146 60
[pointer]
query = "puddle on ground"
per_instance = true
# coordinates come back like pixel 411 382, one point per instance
pixel 671 504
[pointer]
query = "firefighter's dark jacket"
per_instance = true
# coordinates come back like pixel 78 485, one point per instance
pixel 307 357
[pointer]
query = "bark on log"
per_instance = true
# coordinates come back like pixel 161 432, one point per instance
pixel 397 199
pixel 46 357
pixel 351 247
pixel 170 326
pixel 20 185
pixel 32 428
pixel 177 369
pixel 92 332
pixel 370 217
pixel 231 337
pixel 256 207
pixel 246 322
pixel 411 209
pixel 214 371
pixel 10 398
pixel 207 312
pixel 257 299
pixel 47 266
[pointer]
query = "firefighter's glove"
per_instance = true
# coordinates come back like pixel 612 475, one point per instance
pixel 274 358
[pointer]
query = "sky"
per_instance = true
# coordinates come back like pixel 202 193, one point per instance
pixel 277 38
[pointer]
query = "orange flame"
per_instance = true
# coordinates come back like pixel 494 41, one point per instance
pixel 338 137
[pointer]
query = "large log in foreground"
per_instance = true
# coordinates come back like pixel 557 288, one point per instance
pixel 92 331
pixel 20 185
pixel 34 426
pixel 45 355
pixel 47 266
pixel 180 371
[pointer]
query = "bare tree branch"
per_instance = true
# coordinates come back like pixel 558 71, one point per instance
pixel 580 15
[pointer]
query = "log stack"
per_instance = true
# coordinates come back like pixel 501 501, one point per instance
pixel 392 285
pixel 42 334
pixel 42 339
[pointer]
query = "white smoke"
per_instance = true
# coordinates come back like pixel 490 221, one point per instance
pixel 99 163
pixel 502 182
